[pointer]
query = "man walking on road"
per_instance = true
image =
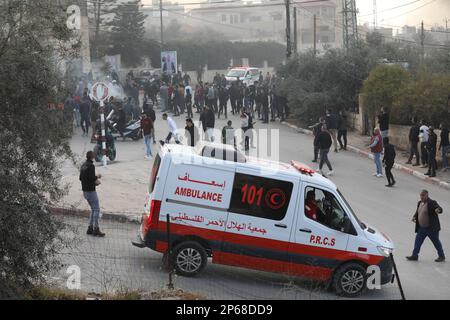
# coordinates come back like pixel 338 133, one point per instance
pixel 376 147
pixel 317 129
pixel 423 135
pixel 164 96
pixel 332 126
pixel 389 160
pixel 147 129
pixel 431 149
pixel 383 121
pixel 414 142
pixel 207 119
pixel 172 129
pixel 342 130
pixel 427 223
pixel 444 146
pixel 89 182
pixel 324 142
pixel 85 112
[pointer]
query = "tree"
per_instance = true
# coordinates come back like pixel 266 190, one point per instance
pixel 32 141
pixel 313 83
pixel 127 33
pixel 383 87
pixel 424 98
pixel 101 9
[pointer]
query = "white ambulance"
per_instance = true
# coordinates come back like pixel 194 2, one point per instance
pixel 257 214
pixel 248 75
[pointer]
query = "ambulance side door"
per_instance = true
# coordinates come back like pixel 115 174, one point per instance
pixel 260 221
pixel 318 235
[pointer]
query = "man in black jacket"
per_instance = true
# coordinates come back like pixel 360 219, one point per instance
pixel 444 146
pixel 383 121
pixel 427 225
pixel 331 120
pixel 207 119
pixel 414 143
pixel 389 160
pixel 324 143
pixel 89 182
pixel 317 129
pixel 431 148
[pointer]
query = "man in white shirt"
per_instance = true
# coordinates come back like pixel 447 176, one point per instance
pixel 423 136
pixel 172 129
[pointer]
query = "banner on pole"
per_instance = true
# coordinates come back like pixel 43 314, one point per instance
pixel 169 62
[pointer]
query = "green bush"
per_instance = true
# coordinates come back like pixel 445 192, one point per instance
pixel 424 98
pixel 383 87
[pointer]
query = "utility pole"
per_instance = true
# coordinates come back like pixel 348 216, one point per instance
pixel 288 29
pixel 161 20
pixel 295 32
pixel 375 15
pixel 350 23
pixel 422 40
pixel 315 34
pixel 446 27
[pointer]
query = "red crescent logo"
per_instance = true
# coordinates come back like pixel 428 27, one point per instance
pixel 275 199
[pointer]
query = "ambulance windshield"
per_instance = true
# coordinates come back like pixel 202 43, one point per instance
pixel 361 224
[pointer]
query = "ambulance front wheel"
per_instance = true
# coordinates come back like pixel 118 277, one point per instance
pixel 349 280
pixel 189 258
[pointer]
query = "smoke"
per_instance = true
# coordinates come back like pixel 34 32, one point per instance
pixel 434 13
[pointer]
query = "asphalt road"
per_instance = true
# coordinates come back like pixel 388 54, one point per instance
pixel 112 263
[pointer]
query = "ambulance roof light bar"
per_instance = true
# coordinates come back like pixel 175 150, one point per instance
pixel 304 169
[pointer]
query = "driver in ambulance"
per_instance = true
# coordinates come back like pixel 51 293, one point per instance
pixel 311 205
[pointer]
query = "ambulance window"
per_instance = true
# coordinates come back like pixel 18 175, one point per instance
pixel 323 207
pixel 154 173
pixel 260 197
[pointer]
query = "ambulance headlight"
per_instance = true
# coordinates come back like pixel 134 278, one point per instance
pixel 385 251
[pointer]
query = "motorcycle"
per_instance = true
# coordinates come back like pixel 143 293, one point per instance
pixel 132 128
pixel 111 151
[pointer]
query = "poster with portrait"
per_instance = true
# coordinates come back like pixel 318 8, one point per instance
pixel 169 62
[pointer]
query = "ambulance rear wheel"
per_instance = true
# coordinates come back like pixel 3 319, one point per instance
pixel 350 280
pixel 189 258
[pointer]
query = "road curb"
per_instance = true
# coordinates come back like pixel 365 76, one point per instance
pixel 111 216
pixel 397 166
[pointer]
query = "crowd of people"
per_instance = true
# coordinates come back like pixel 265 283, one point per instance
pixel 260 98
pixel 331 132
pixel 261 101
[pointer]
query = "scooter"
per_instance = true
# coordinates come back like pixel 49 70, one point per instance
pixel 132 129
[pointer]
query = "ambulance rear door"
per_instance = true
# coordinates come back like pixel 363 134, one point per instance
pixel 197 197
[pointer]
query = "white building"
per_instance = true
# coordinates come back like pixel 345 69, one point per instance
pixel 266 20
pixel 255 21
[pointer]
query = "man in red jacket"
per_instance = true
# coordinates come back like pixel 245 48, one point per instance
pixel 147 129
pixel 376 147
